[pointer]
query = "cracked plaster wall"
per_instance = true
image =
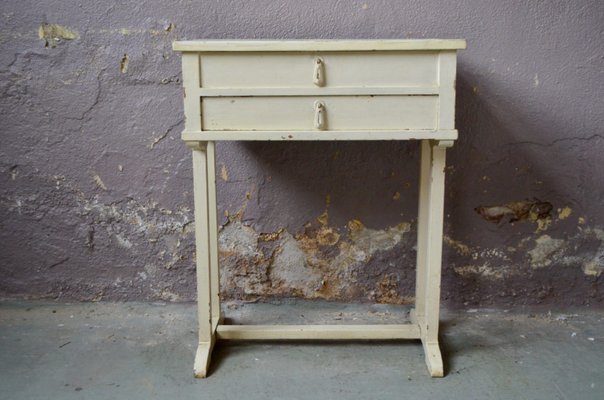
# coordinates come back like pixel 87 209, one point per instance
pixel 95 186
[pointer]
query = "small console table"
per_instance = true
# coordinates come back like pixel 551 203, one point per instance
pixel 320 90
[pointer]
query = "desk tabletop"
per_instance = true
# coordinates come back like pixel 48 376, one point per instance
pixel 319 45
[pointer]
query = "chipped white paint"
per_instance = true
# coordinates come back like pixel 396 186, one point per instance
pixel 123 242
pixel 368 241
pixel 127 31
pixel 484 270
pixel 482 260
pixel 124 64
pixel 99 182
pixel 460 248
pixel 54 33
pixel 550 252
pixel 564 213
pixel 595 266
pixel 545 249
pixel 224 173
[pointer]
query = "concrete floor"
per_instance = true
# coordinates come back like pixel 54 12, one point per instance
pixel 142 351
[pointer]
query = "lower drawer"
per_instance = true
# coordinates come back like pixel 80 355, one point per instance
pixel 322 113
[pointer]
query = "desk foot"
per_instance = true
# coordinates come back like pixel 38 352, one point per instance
pixel 434 360
pixel 202 359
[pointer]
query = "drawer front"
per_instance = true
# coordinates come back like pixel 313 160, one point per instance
pixel 337 113
pixel 329 69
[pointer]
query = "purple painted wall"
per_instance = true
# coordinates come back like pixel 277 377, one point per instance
pixel 95 190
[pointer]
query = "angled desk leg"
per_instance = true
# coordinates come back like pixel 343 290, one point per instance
pixel 429 250
pixel 208 303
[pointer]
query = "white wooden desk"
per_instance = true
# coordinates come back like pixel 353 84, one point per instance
pixel 320 90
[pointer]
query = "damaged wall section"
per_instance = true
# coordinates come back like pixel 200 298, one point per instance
pixel 96 186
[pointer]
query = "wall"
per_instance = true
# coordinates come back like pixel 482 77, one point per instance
pixel 95 192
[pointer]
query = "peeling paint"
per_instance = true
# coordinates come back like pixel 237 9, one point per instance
pixel 99 182
pixel 534 210
pixel 124 64
pixel 461 248
pixel 128 31
pixel 224 174
pixel 323 219
pixel 545 249
pixel 595 266
pixel 290 272
pixel 327 236
pixel 485 270
pixel 52 34
pixel 123 242
pixel 564 213
pixel 549 251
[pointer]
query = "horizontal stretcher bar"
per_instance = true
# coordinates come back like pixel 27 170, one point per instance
pixel 318 332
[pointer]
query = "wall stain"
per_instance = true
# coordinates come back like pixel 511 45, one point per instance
pixel 320 261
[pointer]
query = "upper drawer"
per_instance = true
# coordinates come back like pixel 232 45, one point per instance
pixel 325 69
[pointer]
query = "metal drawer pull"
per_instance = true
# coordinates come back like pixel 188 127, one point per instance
pixel 319 115
pixel 319 73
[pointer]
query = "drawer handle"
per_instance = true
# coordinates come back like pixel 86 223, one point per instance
pixel 319 115
pixel 319 72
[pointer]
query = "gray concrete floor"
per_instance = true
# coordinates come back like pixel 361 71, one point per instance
pixel 145 351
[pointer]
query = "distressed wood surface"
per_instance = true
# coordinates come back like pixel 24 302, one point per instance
pixel 338 70
pixel 342 113
pixel 316 91
pixel 320 135
pixel 319 45
pixel 355 90
pixel 318 332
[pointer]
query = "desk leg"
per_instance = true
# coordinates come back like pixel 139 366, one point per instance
pixel 216 313
pixel 429 251
pixel 203 237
